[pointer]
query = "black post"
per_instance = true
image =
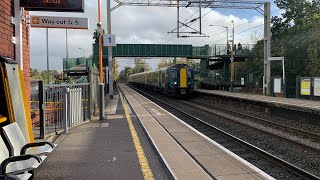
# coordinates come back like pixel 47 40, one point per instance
pixel 312 88
pixel 298 87
pixel 42 109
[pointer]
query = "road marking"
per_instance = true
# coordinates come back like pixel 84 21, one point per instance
pixel 145 168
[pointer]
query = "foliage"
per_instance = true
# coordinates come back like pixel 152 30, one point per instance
pixel 295 36
pixel 298 17
pixel 123 75
pixel 140 66
pixel 115 69
pixel 43 75
pixel 169 62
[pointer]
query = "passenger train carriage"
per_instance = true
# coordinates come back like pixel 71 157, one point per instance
pixel 177 80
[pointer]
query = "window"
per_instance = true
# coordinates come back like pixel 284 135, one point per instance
pixel 174 73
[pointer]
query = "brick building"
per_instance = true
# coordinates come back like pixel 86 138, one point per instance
pixel 7 32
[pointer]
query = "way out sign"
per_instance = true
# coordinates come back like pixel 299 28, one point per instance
pixel 59 22
pixel 109 40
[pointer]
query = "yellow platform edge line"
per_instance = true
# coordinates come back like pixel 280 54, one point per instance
pixel 144 164
pixel 26 106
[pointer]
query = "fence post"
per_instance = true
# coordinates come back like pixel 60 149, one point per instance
pixel 42 109
pixel 65 110
pixel 298 87
pixel 312 88
pixel 89 92
pixel 89 100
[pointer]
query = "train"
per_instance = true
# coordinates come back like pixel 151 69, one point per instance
pixel 175 80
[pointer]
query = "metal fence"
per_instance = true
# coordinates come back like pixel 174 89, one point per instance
pixel 54 105
pixel 65 103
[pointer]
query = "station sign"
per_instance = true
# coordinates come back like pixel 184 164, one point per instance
pixel 53 5
pixel 305 84
pixel 109 40
pixel 275 58
pixel 59 22
pixel 316 90
pixel 277 85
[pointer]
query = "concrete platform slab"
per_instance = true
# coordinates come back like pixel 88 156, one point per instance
pixel 180 164
pixel 112 105
pixel 184 137
pixel 216 160
pixel 100 150
pixel 198 148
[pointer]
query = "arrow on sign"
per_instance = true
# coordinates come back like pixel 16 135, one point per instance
pixel 36 20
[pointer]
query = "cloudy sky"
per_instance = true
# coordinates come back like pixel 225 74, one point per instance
pixel 141 25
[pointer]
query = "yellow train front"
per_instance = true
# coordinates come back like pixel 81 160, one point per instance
pixel 176 80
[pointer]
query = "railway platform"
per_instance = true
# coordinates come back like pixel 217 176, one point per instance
pixel 140 140
pixel 267 101
pixel 101 150
pixel 187 153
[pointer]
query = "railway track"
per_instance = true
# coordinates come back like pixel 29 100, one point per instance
pixel 269 163
pixel 302 138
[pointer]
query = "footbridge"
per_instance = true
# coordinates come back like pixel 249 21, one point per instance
pixel 217 52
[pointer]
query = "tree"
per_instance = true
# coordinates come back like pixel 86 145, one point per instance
pixel 122 75
pixel 299 16
pixel 165 63
pixel 34 72
pixel 169 62
pixel 141 66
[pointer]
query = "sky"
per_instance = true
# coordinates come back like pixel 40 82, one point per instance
pixel 141 25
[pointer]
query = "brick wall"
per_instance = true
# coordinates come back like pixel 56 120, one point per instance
pixel 6 34
pixel 6 28
pixel 26 56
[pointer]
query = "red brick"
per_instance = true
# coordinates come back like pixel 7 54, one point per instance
pixel 6 32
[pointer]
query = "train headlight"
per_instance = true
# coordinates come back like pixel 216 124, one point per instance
pixel 175 83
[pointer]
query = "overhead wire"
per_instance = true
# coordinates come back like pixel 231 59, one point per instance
pixel 211 9
pixel 190 25
pixel 211 36
pixel 192 22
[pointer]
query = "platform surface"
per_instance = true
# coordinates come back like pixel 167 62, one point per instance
pixel 297 104
pixel 100 150
pixel 197 157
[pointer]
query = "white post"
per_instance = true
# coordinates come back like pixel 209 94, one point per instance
pixel 267 49
pixel 284 78
pixel 65 110
pixel 18 33
pixel 110 50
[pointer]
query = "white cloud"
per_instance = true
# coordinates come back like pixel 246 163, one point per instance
pixel 134 25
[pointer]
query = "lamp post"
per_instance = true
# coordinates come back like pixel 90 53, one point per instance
pixel 227 34
pixel 82 51
pixel 232 57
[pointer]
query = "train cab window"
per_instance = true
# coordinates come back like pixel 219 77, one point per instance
pixel 174 73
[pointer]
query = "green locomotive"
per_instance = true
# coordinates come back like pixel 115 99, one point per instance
pixel 176 80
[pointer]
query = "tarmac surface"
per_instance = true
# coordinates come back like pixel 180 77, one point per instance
pixel 101 150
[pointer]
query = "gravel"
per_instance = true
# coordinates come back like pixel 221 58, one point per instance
pixel 290 152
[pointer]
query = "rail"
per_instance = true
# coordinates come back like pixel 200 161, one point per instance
pixel 198 123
